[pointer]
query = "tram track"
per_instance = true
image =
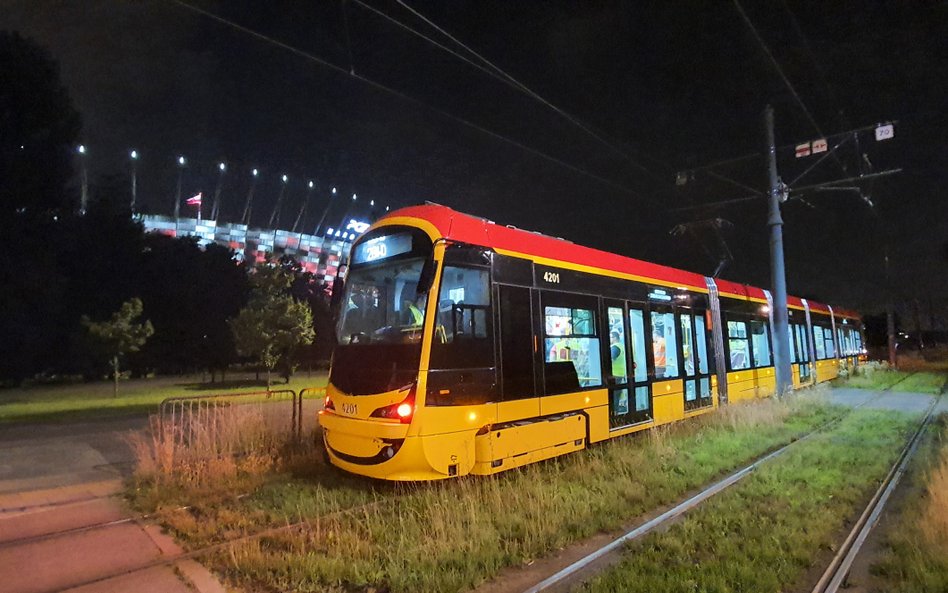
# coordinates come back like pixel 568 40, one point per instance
pixel 838 569
pixel 564 578
pixel 170 560
pixel 556 579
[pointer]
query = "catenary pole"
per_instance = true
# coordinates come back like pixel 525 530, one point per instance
pixel 778 275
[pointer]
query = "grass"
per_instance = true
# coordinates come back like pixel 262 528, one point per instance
pixel 922 382
pixel 879 376
pixel 136 397
pixel 915 557
pixel 766 532
pixel 454 535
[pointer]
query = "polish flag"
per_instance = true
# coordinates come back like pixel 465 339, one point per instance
pixel 195 201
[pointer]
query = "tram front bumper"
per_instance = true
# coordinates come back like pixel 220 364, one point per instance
pixel 375 449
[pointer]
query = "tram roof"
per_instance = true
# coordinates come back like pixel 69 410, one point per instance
pixel 452 225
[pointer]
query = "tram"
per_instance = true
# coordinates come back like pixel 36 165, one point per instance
pixel 469 347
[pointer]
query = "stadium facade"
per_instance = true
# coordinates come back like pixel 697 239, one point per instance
pixel 320 255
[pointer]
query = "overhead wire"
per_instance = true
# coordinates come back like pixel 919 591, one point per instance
pixel 783 76
pixel 776 65
pixel 528 91
pixel 409 99
pixel 843 120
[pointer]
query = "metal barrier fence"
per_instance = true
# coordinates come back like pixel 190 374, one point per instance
pixel 186 419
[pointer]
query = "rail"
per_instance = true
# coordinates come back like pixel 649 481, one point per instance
pixel 839 566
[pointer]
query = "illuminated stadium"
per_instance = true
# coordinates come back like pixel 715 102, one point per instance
pixel 320 255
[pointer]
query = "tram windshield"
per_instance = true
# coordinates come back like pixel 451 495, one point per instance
pixel 382 312
pixel 382 304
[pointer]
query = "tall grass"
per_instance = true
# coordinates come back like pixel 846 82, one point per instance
pixel 454 535
pixel 766 532
pixel 915 557
pixel 934 522
pixel 216 448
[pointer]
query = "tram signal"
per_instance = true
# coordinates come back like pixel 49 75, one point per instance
pixel 803 150
pixel 820 146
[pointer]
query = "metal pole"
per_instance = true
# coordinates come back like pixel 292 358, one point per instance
pixel 890 311
pixel 134 183
pixel 177 195
pixel 325 212
pixel 275 215
pixel 215 207
pixel 245 219
pixel 778 275
pixel 299 217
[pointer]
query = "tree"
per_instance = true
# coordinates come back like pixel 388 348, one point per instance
pixel 120 334
pixel 273 325
pixel 39 128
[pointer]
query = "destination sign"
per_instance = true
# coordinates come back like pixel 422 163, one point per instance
pixel 381 247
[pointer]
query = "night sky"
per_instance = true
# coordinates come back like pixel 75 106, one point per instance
pixel 667 87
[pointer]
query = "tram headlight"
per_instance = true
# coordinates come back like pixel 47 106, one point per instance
pixel 328 405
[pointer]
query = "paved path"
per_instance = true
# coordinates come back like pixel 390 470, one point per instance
pixel 58 477
pixel 889 400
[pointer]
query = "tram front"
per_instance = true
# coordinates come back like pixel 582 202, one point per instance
pixel 372 398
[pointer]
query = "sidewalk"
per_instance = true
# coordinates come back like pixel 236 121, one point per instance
pixel 63 524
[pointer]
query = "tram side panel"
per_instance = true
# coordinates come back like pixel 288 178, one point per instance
pixel 748 348
pixel 824 346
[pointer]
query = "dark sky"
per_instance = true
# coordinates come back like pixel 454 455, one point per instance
pixel 671 86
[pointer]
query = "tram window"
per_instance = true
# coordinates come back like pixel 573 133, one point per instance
pixel 516 342
pixel 702 345
pixel 691 391
pixel 571 338
pixel 830 347
pixel 760 335
pixel 858 343
pixel 738 345
pixel 687 346
pixel 617 344
pixel 641 398
pixel 639 368
pixel 463 331
pixel 803 343
pixel 664 345
pixel 793 343
pixel 818 342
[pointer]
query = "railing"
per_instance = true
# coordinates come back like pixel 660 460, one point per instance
pixel 221 418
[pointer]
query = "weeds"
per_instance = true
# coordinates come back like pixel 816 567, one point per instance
pixel 915 557
pixel 765 533
pixel 878 375
pixel 215 449
pixel 454 535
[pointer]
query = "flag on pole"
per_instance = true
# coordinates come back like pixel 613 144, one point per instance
pixel 195 201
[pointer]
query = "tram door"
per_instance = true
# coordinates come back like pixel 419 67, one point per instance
pixel 695 342
pixel 800 353
pixel 630 400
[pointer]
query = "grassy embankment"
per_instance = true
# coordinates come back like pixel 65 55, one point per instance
pixel 915 555
pixel 767 532
pixel 454 535
pixel 61 403
pixel 876 375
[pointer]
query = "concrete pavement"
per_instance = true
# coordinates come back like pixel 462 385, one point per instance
pixel 63 526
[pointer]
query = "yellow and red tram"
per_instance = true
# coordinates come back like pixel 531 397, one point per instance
pixel 470 347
